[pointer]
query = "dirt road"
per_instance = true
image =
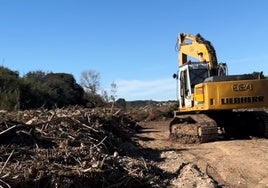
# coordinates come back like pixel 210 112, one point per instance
pixel 230 163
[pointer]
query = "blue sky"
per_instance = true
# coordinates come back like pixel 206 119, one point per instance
pixel 130 42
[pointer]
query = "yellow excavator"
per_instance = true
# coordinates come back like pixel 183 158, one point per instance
pixel 213 103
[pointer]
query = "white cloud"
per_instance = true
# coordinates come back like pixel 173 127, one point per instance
pixel 248 65
pixel 162 89
pixel 251 60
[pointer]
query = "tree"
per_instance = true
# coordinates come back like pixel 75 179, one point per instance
pixel 90 80
pixel 113 94
pixel 63 90
pixel 121 103
pixel 104 95
pixel 33 92
pixel 9 89
pixel 35 75
pixel 50 90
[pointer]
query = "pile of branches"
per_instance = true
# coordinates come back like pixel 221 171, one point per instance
pixel 72 147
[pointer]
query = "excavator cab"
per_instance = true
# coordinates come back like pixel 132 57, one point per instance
pixel 188 76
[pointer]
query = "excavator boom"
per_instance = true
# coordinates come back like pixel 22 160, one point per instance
pixel 195 46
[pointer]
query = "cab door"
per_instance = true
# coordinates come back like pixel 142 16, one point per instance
pixel 184 87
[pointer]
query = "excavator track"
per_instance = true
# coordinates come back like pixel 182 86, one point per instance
pixel 193 128
pixel 262 128
pixel 242 124
pixel 202 128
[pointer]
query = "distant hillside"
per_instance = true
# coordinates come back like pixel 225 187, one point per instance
pixel 143 103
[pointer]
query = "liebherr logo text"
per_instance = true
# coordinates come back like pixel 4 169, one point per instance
pixel 242 87
pixel 239 100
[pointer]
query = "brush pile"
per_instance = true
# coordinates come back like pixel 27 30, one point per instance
pixel 72 147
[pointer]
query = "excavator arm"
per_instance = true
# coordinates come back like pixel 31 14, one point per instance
pixel 197 47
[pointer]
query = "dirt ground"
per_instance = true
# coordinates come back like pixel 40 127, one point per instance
pixel 229 163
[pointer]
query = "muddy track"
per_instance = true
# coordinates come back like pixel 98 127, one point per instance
pixel 230 163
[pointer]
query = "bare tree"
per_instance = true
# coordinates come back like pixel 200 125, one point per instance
pixel 113 94
pixel 104 95
pixel 90 81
